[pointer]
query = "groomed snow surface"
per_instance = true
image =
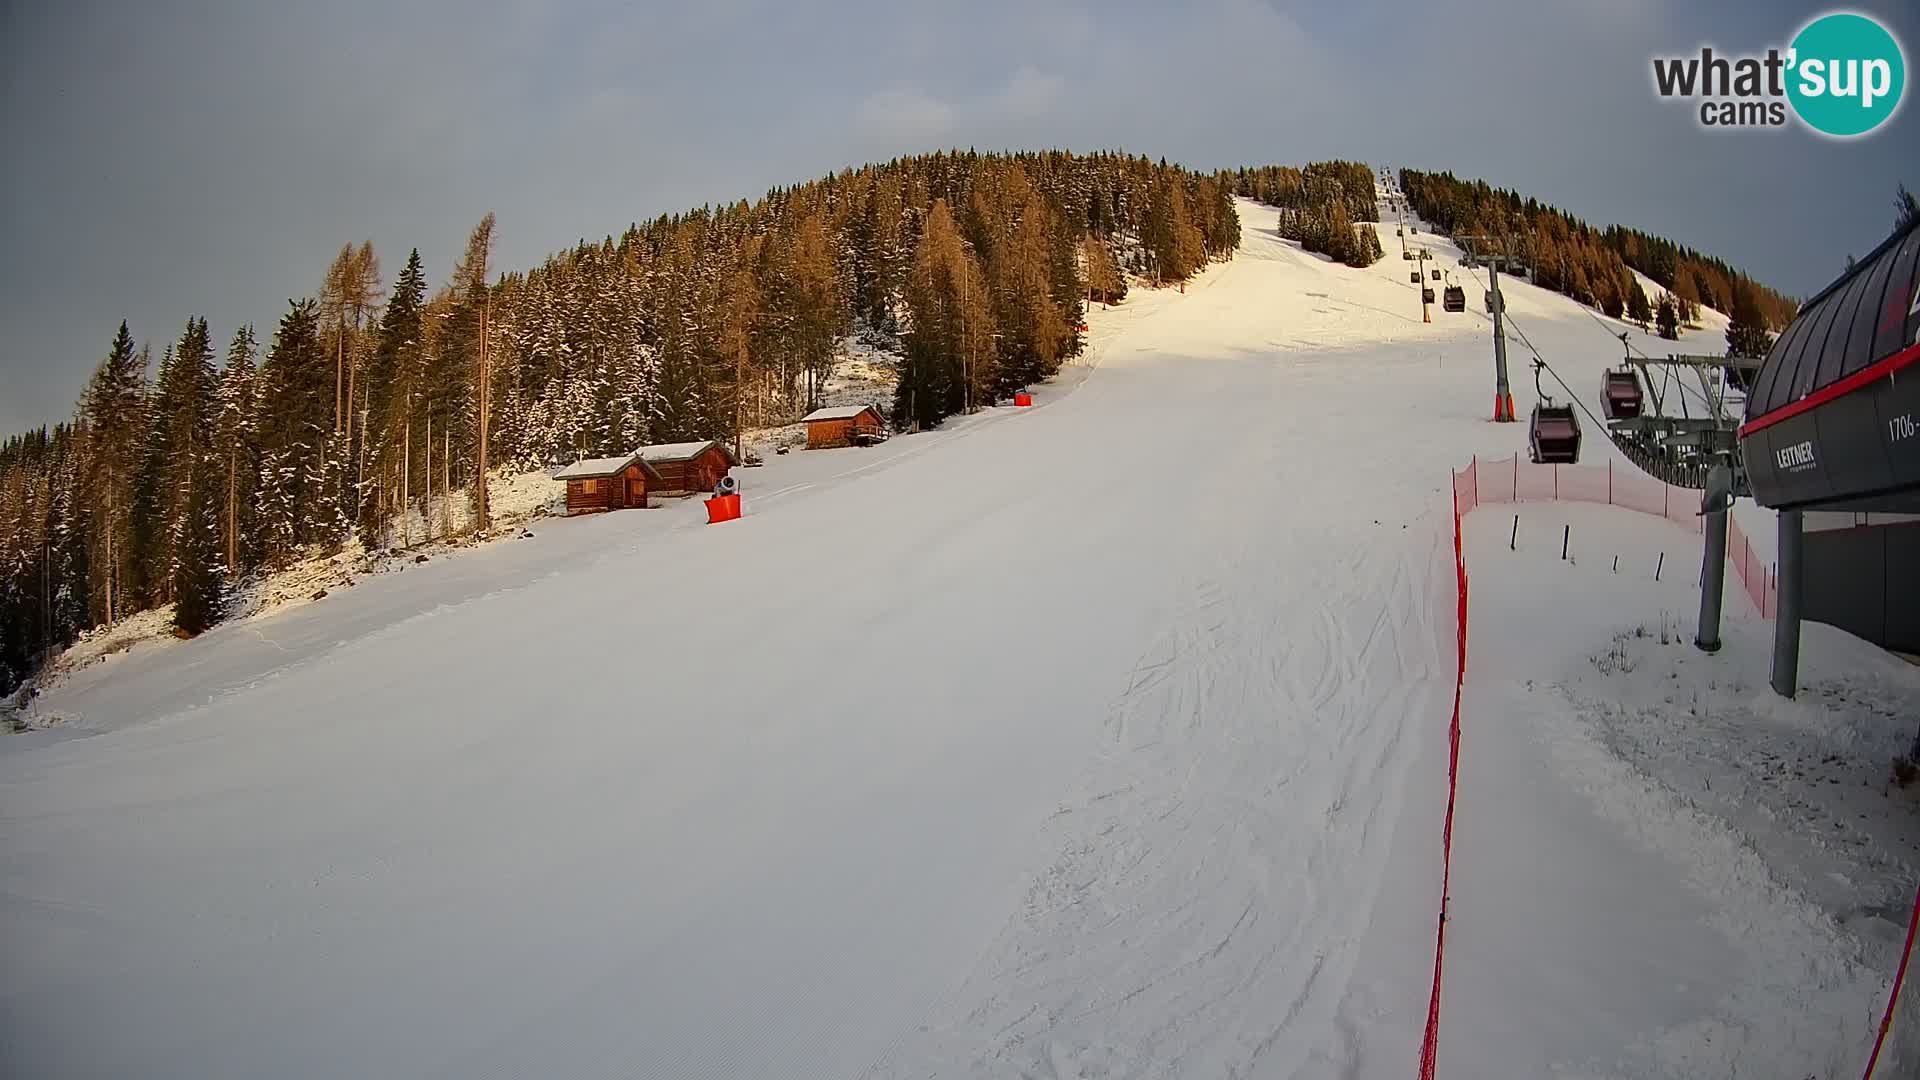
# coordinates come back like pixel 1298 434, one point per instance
pixel 1104 738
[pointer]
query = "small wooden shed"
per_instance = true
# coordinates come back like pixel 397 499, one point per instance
pixel 687 467
pixel 841 426
pixel 609 483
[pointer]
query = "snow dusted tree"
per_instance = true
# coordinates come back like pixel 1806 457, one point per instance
pixel 464 344
pixel 1667 317
pixel 199 582
pixel 1746 327
pixel 1639 309
pixel 394 368
pixel 184 413
pixel 295 409
pixel 113 410
pixel 237 453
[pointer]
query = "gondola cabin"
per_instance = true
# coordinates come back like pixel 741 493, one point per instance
pixel 1620 395
pixel 1434 274
pixel 1413 277
pixel 1553 435
pixel 845 425
pixel 609 483
pixel 688 467
pixel 1426 294
pixel 1455 298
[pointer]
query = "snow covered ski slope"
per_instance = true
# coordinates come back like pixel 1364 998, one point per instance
pixel 1105 738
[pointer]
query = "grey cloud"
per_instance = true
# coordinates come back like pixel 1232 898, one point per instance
pixel 208 157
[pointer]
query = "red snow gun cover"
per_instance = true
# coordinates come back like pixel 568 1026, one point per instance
pixel 722 508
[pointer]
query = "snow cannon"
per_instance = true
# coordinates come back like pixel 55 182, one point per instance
pixel 725 503
pixel 723 508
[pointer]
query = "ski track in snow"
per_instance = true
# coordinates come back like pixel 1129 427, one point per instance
pixel 1100 739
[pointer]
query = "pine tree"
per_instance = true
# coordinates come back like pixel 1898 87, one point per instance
pixel 393 373
pixel 950 331
pixel 465 347
pixel 1746 328
pixel 1667 317
pixel 1105 283
pixel 199 578
pixel 236 452
pixel 295 427
pixel 814 312
pixel 113 411
pixel 1906 209
pixel 1639 309
pixel 181 442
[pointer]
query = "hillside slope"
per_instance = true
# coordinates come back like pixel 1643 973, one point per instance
pixel 1128 767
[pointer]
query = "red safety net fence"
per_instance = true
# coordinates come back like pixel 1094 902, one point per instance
pixel 1430 1043
pixel 1510 480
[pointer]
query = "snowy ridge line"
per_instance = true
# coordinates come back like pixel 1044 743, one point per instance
pixel 1893 995
pixel 1430 1041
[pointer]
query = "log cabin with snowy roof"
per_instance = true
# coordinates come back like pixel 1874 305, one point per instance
pixel 609 483
pixel 843 425
pixel 688 467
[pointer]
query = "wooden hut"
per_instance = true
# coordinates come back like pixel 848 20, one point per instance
pixel 609 483
pixel 842 426
pixel 687 467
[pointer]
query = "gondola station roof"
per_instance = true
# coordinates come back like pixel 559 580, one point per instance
pixel 1831 419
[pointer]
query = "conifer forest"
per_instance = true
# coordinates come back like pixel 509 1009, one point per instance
pixel 199 458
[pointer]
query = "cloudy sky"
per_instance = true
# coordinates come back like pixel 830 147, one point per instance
pixel 205 157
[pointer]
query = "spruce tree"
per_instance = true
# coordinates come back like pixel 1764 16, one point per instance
pixel 1746 329
pixel 113 410
pixel 236 453
pixel 1667 317
pixel 393 395
pixel 296 420
pixel 199 580
pixel 1639 309
pixel 184 412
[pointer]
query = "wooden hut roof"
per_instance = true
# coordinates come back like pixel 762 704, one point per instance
pixel 667 453
pixel 838 412
pixel 595 468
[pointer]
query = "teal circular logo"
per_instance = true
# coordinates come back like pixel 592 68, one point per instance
pixel 1846 74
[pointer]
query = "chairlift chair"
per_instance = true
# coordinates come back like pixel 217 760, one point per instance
pixel 1620 394
pixel 1553 432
